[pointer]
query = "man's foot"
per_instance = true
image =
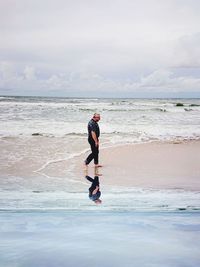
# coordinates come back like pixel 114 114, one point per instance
pixel 98 174
pixel 98 166
pixel 85 165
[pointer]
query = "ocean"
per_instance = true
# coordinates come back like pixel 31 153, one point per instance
pixel 46 218
pixel 123 120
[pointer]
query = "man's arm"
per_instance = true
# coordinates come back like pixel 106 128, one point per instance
pixel 95 190
pixel 89 178
pixel 94 136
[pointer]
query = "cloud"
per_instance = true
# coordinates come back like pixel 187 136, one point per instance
pixel 29 73
pixel 160 81
pixel 99 45
pixel 163 80
pixel 187 51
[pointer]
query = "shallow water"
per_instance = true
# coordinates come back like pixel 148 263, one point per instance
pixel 75 198
pixel 52 239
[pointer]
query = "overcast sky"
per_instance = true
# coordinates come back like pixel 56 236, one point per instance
pixel 138 48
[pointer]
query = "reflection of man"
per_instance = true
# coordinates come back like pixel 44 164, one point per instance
pixel 94 190
pixel 93 139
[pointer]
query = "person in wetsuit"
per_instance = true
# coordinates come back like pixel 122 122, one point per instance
pixel 93 139
pixel 94 190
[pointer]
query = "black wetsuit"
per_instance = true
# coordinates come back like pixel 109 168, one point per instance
pixel 93 126
pixel 95 183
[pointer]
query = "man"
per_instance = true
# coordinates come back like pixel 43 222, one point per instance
pixel 93 139
pixel 94 190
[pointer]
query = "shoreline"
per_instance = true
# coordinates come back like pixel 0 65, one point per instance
pixel 170 164
pixel 156 165
pixel 134 177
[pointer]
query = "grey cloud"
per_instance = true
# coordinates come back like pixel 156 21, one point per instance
pixel 187 51
pixel 161 80
pixel 57 44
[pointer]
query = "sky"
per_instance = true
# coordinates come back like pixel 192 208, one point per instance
pixel 102 48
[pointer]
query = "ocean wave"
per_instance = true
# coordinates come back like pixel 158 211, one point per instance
pixel 127 199
pixel 45 100
pixel 113 137
pixel 123 120
pixel 64 135
pixel 5 98
pixel 109 104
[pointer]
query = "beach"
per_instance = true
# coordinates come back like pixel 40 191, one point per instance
pixel 166 165
pixel 154 170
pixel 149 182
pixel 149 214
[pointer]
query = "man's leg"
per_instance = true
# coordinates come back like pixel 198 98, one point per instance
pixel 89 159
pixel 96 181
pixel 89 178
pixel 94 155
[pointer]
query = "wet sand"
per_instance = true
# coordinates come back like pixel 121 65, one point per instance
pixel 150 165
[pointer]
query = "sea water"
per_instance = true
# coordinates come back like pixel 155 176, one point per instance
pixel 52 239
pixel 123 120
pixel 46 218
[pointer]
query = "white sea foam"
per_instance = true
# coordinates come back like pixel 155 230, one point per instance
pixel 75 197
pixel 131 119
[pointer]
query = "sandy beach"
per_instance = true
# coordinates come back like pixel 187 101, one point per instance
pixel 159 165
pixel 151 165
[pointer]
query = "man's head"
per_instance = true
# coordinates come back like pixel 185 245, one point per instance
pixel 96 117
pixel 98 201
pixel 96 197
